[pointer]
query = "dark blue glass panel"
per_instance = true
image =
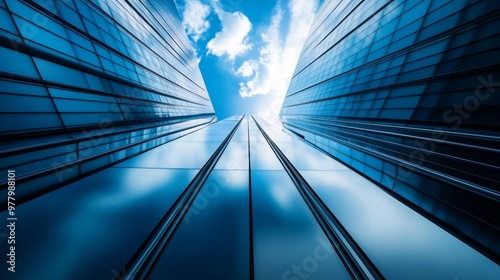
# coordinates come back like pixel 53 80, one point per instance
pixel 25 103
pixel 51 72
pixel 29 121
pixel 17 63
pixel 213 240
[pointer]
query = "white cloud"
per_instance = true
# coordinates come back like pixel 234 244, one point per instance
pixel 232 40
pixel 194 18
pixel 268 79
pixel 278 58
pixel 248 68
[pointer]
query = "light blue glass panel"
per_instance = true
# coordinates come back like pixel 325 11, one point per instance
pixel 301 155
pixel 262 156
pixel 203 136
pixel 235 156
pixel 399 241
pixel 176 154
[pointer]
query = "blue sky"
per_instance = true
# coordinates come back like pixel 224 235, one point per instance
pixel 247 49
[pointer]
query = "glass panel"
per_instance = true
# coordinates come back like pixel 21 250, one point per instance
pixel 302 156
pixel 213 240
pixel 399 241
pixel 16 63
pixel 92 227
pixel 235 156
pixel 28 121
pixel 176 154
pixel 261 155
pixel 52 72
pixel 288 242
pixel 25 103
pixel 22 88
pixel 203 136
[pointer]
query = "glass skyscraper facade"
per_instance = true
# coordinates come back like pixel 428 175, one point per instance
pixel 85 84
pixel 239 199
pixel 407 94
pixel 122 170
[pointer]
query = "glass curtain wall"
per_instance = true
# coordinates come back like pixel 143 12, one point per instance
pixel 86 84
pixel 406 93
pixel 240 199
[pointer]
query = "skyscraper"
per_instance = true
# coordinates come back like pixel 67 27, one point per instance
pixel 406 94
pixel 87 84
pixel 119 168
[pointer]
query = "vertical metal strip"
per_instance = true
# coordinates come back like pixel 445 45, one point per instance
pixel 141 265
pixel 250 202
pixel 354 259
